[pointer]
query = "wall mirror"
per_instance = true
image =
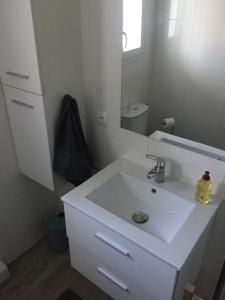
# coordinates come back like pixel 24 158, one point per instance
pixel 173 68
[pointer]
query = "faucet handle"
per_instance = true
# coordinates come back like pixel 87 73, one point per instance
pixel 157 158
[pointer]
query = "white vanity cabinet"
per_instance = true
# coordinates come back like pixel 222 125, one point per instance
pixel 39 64
pixel 115 264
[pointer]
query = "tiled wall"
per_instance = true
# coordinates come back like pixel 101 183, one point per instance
pixel 189 68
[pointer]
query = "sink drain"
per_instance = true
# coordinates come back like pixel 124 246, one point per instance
pixel 140 217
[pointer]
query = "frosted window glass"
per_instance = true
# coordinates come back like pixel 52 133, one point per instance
pixel 132 24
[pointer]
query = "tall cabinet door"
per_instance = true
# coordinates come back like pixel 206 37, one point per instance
pixel 28 125
pixel 18 55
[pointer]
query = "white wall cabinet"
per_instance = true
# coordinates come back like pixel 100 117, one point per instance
pixel 28 125
pixel 18 58
pixel 39 64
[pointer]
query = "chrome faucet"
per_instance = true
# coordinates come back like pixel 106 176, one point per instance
pixel 158 172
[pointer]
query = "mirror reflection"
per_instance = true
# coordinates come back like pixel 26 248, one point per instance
pixel 173 69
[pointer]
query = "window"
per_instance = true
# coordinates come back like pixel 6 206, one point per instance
pixel 132 25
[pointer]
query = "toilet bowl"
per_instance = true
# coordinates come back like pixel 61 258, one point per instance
pixel 134 117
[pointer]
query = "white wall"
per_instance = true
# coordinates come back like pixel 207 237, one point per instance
pixel 189 69
pixel 102 58
pixel 58 38
pixel 24 205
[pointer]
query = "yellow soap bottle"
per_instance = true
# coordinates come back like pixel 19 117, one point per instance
pixel 204 189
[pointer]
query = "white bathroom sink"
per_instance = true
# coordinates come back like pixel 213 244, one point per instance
pixel 123 195
pixel 176 222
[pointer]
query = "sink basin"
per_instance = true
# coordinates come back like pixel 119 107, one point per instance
pixel 124 194
pixel 174 222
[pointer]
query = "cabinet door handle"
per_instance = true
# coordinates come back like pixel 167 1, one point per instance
pixel 112 244
pixel 22 104
pixel 112 278
pixel 17 75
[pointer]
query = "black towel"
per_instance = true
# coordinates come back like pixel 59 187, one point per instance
pixel 71 158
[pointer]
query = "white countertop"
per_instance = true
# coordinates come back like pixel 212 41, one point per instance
pixel 175 252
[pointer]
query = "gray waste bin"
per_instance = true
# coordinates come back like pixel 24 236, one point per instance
pixel 57 239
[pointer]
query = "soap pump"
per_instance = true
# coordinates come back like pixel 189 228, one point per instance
pixel 204 189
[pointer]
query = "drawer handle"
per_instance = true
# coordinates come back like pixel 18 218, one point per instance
pixel 112 278
pixel 17 75
pixel 112 244
pixel 22 104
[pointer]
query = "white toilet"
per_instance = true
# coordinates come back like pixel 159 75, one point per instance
pixel 135 118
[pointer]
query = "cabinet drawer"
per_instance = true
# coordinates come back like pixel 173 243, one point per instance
pixel 18 60
pixel 153 275
pixel 117 285
pixel 28 125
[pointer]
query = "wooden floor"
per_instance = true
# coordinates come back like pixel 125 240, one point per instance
pixel 41 275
